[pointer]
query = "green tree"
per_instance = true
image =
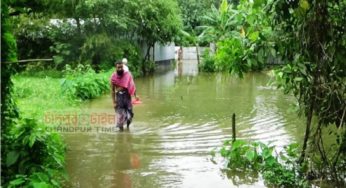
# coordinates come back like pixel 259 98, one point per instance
pixel 31 156
pixel 156 21
pixel 192 13
pixel 217 23
pixel 243 36
pixel 8 55
pixel 92 32
pixel 312 41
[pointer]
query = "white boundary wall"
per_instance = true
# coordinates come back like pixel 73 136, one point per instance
pixel 166 52
pixel 170 51
pixel 161 52
pixel 190 53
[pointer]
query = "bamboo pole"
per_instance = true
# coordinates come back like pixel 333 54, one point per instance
pixel 28 60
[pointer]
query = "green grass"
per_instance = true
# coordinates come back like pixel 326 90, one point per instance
pixel 39 93
pixel 35 96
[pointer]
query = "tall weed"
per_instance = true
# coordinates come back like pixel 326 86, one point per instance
pixel 83 83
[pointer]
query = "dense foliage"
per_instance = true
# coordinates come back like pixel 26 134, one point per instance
pixel 309 38
pixel 192 13
pixel 31 156
pixel 242 34
pixel 93 33
pixel 316 74
pixel 34 157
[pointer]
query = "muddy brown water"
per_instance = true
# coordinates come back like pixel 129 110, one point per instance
pixel 184 116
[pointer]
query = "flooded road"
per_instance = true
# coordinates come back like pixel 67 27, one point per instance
pixel 184 116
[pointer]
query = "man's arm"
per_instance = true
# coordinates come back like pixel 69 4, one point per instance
pixel 135 93
pixel 137 98
pixel 133 81
pixel 113 94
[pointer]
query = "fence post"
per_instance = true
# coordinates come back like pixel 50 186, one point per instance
pixel 233 128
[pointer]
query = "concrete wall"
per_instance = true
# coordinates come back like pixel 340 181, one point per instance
pixel 164 52
pixel 170 51
pixel 190 53
pixel 160 52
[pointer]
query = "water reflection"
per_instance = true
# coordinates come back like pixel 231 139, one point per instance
pixel 101 160
pixel 184 116
pixel 244 177
pixel 186 68
pixel 125 159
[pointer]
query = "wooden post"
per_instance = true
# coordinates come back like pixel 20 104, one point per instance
pixel 233 128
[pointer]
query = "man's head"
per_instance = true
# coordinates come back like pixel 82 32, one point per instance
pixel 119 67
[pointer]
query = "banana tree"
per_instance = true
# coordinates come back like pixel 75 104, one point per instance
pixel 218 23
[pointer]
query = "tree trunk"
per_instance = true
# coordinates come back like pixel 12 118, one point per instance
pixel 154 52
pixel 146 58
pixel 319 24
pixel 197 53
pixel 307 133
pixel 95 23
pixel 78 26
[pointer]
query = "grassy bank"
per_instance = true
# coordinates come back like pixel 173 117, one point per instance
pixel 35 157
pixel 36 94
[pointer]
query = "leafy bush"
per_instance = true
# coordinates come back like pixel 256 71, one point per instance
pixel 257 156
pixel 243 35
pixel 83 83
pixel 208 62
pixel 229 56
pixel 34 156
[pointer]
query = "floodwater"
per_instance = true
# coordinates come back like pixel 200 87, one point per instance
pixel 184 116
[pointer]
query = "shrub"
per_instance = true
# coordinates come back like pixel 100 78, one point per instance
pixel 208 62
pixel 83 83
pixel 34 156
